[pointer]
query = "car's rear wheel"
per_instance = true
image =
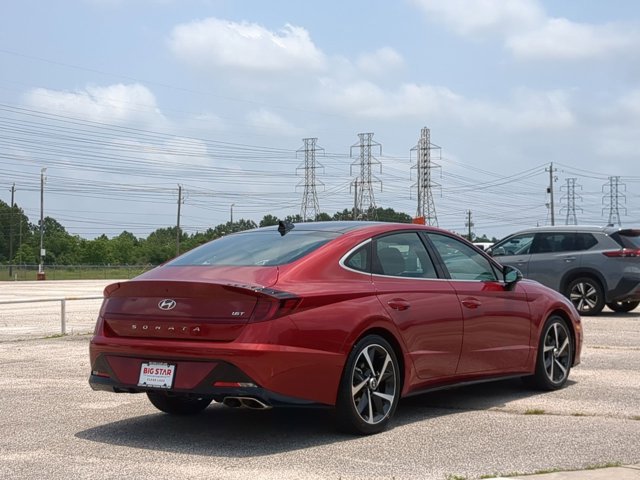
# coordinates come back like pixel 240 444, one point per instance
pixel 369 388
pixel 622 306
pixel 587 295
pixel 178 404
pixel 555 356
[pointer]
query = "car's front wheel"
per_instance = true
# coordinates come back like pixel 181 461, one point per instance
pixel 178 404
pixel 587 295
pixel 555 356
pixel 622 306
pixel 369 388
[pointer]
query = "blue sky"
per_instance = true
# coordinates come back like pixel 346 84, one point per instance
pixel 122 101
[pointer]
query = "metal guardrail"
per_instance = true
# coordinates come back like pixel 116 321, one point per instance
pixel 63 306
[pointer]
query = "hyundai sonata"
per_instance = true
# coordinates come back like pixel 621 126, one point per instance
pixel 347 315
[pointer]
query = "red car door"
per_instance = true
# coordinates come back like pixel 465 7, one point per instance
pixel 497 324
pixel 425 309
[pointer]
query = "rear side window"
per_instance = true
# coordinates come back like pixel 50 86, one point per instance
pixel 258 248
pixel 628 238
pixel 402 255
pixel 584 241
pixel 555 242
pixel 360 259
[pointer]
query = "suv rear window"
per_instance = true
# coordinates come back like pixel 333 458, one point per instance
pixel 259 248
pixel 627 238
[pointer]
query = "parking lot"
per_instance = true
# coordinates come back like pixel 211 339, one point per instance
pixel 54 426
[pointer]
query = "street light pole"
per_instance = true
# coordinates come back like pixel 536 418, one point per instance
pixel 42 252
pixel 232 212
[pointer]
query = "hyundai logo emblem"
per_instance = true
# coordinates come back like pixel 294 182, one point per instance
pixel 167 304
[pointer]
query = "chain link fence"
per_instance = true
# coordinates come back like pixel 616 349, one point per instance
pixel 71 272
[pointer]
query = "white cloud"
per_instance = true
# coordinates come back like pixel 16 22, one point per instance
pixel 112 104
pixel 476 17
pixel 561 39
pixel 528 32
pixel 380 62
pixel 526 110
pixel 264 119
pixel 215 43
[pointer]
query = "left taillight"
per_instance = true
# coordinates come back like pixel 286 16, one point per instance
pixel 269 308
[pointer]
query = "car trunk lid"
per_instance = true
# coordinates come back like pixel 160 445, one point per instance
pixel 188 303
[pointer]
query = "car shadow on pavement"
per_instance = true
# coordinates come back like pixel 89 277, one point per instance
pixel 225 432
pixel 222 431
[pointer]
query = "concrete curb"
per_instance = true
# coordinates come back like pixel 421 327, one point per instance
pixel 625 472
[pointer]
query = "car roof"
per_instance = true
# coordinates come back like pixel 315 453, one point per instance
pixel 570 228
pixel 345 226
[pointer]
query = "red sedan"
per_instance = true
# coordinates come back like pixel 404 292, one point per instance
pixel 349 315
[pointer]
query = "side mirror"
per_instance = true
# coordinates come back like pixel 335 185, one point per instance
pixel 497 252
pixel 511 276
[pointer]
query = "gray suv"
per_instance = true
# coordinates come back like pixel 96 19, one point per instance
pixel 592 266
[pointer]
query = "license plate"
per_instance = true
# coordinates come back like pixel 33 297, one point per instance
pixel 156 375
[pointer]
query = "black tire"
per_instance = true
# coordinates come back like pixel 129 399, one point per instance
pixel 555 356
pixel 370 387
pixel 178 404
pixel 622 306
pixel 587 295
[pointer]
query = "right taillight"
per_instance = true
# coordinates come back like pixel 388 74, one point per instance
pixel 624 253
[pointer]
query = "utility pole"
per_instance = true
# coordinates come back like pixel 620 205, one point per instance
pixel 611 200
pixel 178 222
pixel 424 183
pixel 570 197
pixel 41 275
pixel 355 199
pixel 552 179
pixel 365 203
pixel 469 224
pixel 231 213
pixel 310 208
pixel 13 192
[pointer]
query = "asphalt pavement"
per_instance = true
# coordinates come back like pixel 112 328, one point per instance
pixel 55 427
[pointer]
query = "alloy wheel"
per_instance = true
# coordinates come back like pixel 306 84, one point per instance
pixel 557 352
pixel 584 296
pixel 374 384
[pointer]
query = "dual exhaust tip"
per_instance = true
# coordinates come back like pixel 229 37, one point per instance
pixel 245 402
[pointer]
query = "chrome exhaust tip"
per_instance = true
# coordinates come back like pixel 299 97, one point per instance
pixel 246 402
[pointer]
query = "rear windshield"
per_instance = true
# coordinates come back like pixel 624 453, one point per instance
pixel 628 238
pixel 262 248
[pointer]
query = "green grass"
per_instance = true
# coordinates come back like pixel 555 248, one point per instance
pixel 60 272
pixel 534 411
pixel 598 466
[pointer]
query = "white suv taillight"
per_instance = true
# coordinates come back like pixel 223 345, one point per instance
pixel 625 252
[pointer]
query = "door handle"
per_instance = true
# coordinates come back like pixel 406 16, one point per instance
pixel 569 259
pixel 399 304
pixel 471 302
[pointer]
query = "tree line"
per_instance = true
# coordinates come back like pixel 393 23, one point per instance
pixel 63 248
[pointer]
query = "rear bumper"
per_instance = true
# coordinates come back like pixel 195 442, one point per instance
pixel 281 374
pixel 627 289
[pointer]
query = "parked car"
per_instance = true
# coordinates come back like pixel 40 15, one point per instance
pixel 347 315
pixel 592 266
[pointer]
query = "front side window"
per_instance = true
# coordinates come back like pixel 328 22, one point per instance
pixel 258 248
pixel 462 261
pixel 516 245
pixel 402 255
